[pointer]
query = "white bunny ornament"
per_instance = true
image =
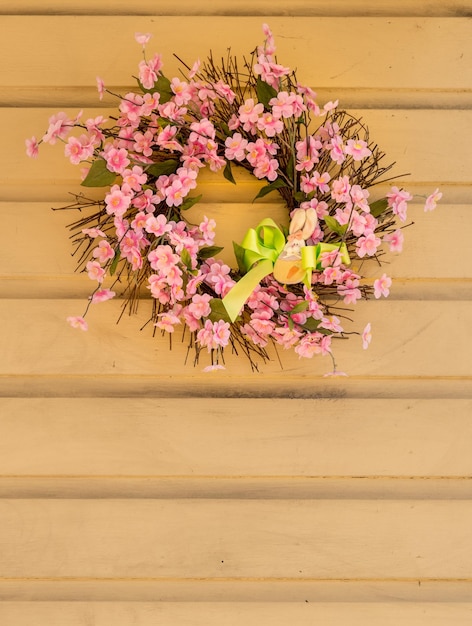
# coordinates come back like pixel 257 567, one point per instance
pixel 288 268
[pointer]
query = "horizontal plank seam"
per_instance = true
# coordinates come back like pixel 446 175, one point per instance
pixel 277 9
pixel 236 477
pixel 287 377
pixel 232 579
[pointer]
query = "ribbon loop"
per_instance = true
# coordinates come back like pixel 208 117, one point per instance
pixel 261 248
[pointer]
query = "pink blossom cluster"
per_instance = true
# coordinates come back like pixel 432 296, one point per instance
pixel 149 157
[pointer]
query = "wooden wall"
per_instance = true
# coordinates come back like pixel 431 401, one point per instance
pixel 137 490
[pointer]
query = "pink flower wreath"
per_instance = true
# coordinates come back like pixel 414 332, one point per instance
pixel 292 287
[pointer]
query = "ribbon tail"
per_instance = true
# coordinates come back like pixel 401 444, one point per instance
pixel 240 292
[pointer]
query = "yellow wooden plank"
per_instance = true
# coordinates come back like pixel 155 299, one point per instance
pixel 49 245
pixel 411 339
pixel 237 590
pixel 406 136
pixel 415 52
pixel 237 438
pixel 254 613
pixel 449 8
pixel 199 538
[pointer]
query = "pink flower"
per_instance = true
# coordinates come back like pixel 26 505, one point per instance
pixel 331 322
pixel 270 72
pixel 287 105
pixel 77 321
pixel 117 202
pixel 207 228
pixel 175 193
pixel 93 232
pixel 102 295
pixel 134 178
pixel 313 343
pixel 59 127
pixel 235 147
pixel 340 189
pixel 334 374
pixel 103 252
pixel 266 168
pixel 117 160
pixel 157 225
pixel 182 91
pixel 32 147
pixel 224 91
pixel 78 149
pixel 194 69
pixel 249 113
pixel 431 201
pixel 359 197
pixel 162 258
pixel 221 333
pixel 213 368
pixel 200 305
pixel 95 271
pixel 320 181
pixel 382 286
pixel 366 336
pixel 100 88
pixel 307 154
pixel 142 38
pixel 337 149
pixel 367 245
pixel 286 337
pixel 357 149
pixel 395 240
pixel 270 124
pixel 143 142
pixel 149 71
pixel 214 335
pixel 397 199
pixel 167 321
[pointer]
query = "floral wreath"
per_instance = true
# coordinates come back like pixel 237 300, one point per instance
pixel 292 287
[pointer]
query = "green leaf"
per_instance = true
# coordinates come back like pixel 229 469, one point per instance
pixel 208 252
pixel 162 87
pixel 300 196
pixel 186 258
pixel 225 129
pixel 228 174
pixel 265 92
pixel 99 175
pixel 334 225
pixel 378 207
pixel 299 308
pixel 218 311
pixel 291 325
pixel 239 254
pixel 277 184
pixel 189 202
pixel 114 263
pixel 311 325
pixel 290 167
pixel 163 168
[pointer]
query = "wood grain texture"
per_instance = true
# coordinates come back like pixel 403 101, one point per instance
pixel 418 268
pixel 134 488
pixel 233 614
pixel 422 156
pixel 263 8
pixel 385 53
pixel 326 539
pixel 243 438
pixel 410 342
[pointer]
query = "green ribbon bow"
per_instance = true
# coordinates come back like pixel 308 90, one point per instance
pixel 260 249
